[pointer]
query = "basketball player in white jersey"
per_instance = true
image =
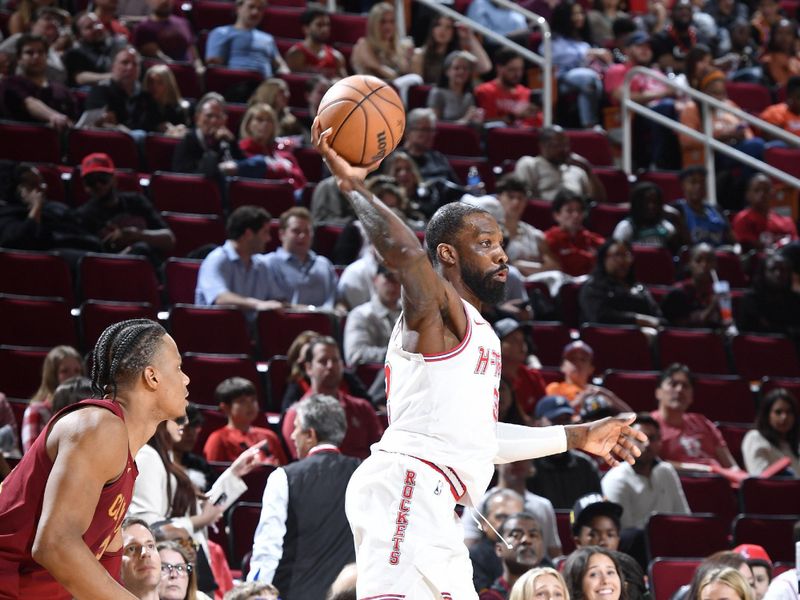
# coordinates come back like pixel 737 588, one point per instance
pixel 442 374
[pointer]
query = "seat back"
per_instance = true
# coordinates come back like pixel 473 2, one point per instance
pixel 210 329
pixel 242 523
pixel 283 21
pixel 273 196
pixel 603 218
pixel 724 398
pixel 667 575
pixel 21 370
pixel 774 533
pixel 96 315
pixel 119 146
pixel 616 183
pixel 733 434
pixel 35 274
pixel 184 193
pixel 550 339
pixel 653 265
pixel 207 371
pixel 194 231
pixel 770 496
pixel 158 150
pixel 751 97
pixel 591 145
pixel 276 332
pixel 121 278
pixel 36 321
pixel 347 28
pixel 29 142
pixel 685 535
pixel 506 143
pixel 277 378
pixel 757 356
pixel 181 276
pixel 701 349
pixel 637 388
pixel 709 494
pixel 456 139
pixel 620 347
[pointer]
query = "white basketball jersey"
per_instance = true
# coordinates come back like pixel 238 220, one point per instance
pixel 443 407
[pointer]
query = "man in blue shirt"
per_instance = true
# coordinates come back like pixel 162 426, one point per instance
pixel 242 45
pixel 301 275
pixel 232 274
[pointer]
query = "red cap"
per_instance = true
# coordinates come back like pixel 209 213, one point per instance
pixel 753 552
pixel 97 162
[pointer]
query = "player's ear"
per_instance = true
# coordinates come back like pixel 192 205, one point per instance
pixel 150 377
pixel 447 254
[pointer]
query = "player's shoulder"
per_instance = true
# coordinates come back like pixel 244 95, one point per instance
pixel 91 428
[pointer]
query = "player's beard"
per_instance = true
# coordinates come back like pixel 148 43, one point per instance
pixel 488 289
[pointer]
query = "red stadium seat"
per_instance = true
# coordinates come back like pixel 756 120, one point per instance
pixel 21 370
pixel 733 434
pixel 564 525
pixel 785 159
pixel 121 278
pixel 653 265
pixel 242 523
pixel 198 328
pixel 506 143
pixel 758 356
pixel 667 575
pixel 568 303
pixel 29 142
pixel 539 213
pixel 550 339
pixel 618 347
pixel 668 181
pixel 119 146
pixel 462 165
pixel 235 115
pixel 721 397
pixel 277 378
pixel 770 383
pixel 283 22
pixel 637 388
pixel 184 193
pixel 591 145
pixel 457 140
pixel 604 217
pixel 730 269
pixel 709 494
pixel 181 276
pixel 616 183
pixel 274 196
pixel 277 331
pixel 208 14
pixel 207 371
pixel 158 150
pixel 773 533
pixel 297 88
pixel 35 274
pixel 187 79
pixel 96 315
pixel 751 97
pixel 685 535
pixel 770 496
pixel 418 96
pixel 36 321
pixel 347 28
pixel 325 237
pixel 310 162
pixel 194 231
pixel 52 175
pixel 702 350
pixel 256 481
pixel 234 84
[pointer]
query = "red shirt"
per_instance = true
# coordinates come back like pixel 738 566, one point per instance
pixel 227 443
pixel 529 387
pixel 577 253
pixel 754 229
pixel 615 76
pixel 280 163
pixel 499 104
pixel 21 498
pixel 326 64
pixel 780 116
pixel 695 441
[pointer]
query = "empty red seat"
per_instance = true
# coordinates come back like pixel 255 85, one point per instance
pixel 751 97
pixel 187 79
pixel 29 142
pixel 200 329
pixel 637 388
pixel 785 159
pixel 723 398
pixel 457 140
pixel 181 279
pixel 653 265
pixel 274 196
pixel 283 22
pixel 297 88
pixel 702 350
pixel 418 96
pixel 36 321
pixel 35 274
pixel 591 145
pixel 539 213
pixel 618 347
pixel 506 143
pixel 616 183
pixel 685 535
pixel 709 494
pixel 667 575
pixel 568 303
pixel 121 278
pixel 119 146
pixel 96 315
pixel 564 526
pixel 550 339
pixel 310 162
pixel 277 379
pixel 347 28
pixel 733 434
pixel 604 217
pixel 242 523
pixel 325 237
pixel 21 370
pixel 184 193
pixel 770 496
pixel 276 331
pixel 208 14
pixel 757 356
pixel 773 533
pixel 158 150
pixel 231 83
pixel 207 371
pixel 194 231
pixel 730 269
pixel 668 181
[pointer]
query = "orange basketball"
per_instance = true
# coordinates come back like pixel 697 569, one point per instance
pixel 367 118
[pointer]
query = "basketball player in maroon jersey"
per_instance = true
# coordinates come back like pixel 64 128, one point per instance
pixel 61 508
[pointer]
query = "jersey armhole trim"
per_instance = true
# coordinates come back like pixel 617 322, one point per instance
pixel 457 349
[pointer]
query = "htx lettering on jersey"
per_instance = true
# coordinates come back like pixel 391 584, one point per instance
pixel 487 357
pixel 401 523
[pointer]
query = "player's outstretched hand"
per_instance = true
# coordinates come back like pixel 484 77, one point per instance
pixel 611 438
pixel 348 177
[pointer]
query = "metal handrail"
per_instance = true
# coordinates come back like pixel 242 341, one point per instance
pixel 706 136
pixel 544 62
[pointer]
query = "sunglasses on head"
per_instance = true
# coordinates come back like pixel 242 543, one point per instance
pixel 93 179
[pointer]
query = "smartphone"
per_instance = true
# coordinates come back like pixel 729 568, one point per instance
pixel 221 500
pixel 264 449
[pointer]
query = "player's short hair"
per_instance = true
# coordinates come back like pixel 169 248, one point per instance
pixel 325 416
pixel 313 11
pixel 445 225
pixel 245 218
pixel 232 388
pixel 564 196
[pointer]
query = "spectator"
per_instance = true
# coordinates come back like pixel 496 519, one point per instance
pixel 556 167
pixel 253 590
pixel 369 326
pixel 329 206
pixel 178 577
pixel 502 20
pixel 600 21
pixel 275 92
pixel 356 283
pixel 542 582
pixel 232 273
pixel 692 302
pixel 424 194
pixel 166 112
pixel 562 478
pixel 197 468
pixel 504 98
pixel 29 96
pixel 767 14
pixel 757 227
pixel 577 365
pixel 257 139
pixel 724 583
pixel 446 36
pixel 9 444
pixel 237 400
pixel 89 61
pixel 323 367
pixel 452 99
pixel 648 224
pixel 303 539
pixel 704 222
pixel 786 115
pixel 672 44
pixel 648 486
pixel 60 364
pixel 718 560
pixel 592 573
pixel 687 438
pixel 526 383
pixel 244 46
pixel 314 54
pixel 21 19
pixel 316 88
pixel 382 54
pixel 576 62
pixel 72 391
pixel 141 562
pixel 596 522
pixel 49 23
pixel 775 436
pixel 125 222
pixel 301 276
pixel 487 566
pixel 770 306
pixel 725 14
pixel 166 36
pixel 574 246
pixel 523 551
pixel 781 61
pixel 745 50
pixel 760 564
pixel 106 11
pixel 420 131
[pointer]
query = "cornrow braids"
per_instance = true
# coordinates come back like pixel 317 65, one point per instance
pixel 122 351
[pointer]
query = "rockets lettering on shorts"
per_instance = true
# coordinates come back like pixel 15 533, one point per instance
pixel 401 522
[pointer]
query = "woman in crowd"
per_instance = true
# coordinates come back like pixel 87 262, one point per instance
pixel 257 138
pixel 770 306
pixel 612 295
pixel 647 222
pixel 423 196
pixel 543 583
pixel 275 92
pixel 452 99
pixel 601 21
pixel 72 391
pixel 591 569
pixel 178 576
pixel 445 37
pixel 21 19
pixel 724 583
pixel 692 303
pixel 578 65
pixel 775 436
pixel 60 364
pixel 781 61
pixel 167 112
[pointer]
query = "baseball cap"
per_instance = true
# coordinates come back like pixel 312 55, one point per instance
pixel 636 38
pixel 552 407
pixel 97 162
pixel 596 407
pixel 754 553
pixel 506 326
pixel 591 505
pixel 577 346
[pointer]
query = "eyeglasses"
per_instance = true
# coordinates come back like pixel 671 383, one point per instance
pixel 180 570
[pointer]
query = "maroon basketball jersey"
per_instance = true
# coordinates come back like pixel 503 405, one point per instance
pixel 21 499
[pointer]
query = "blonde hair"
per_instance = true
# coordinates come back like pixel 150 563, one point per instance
pixel 524 587
pixel 253 110
pixel 730 577
pixel 173 92
pixel 285 122
pixel 387 51
pixel 52 362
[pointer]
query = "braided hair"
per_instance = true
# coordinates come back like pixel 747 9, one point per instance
pixel 123 350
